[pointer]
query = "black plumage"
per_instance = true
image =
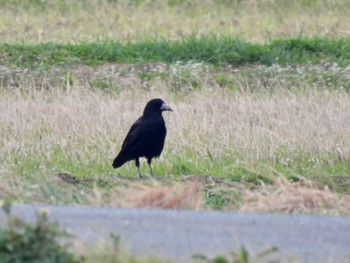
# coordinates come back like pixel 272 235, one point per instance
pixel 146 136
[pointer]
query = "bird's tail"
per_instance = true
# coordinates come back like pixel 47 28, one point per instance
pixel 118 161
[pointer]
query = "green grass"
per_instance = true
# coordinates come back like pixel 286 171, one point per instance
pixel 209 49
pixel 229 165
pixel 39 180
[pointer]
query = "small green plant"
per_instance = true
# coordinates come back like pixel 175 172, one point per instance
pixel 39 242
pixel 240 256
pixel 223 79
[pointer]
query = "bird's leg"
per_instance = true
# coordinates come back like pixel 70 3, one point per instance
pixel 149 160
pixel 137 163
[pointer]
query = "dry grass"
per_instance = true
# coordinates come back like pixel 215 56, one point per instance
pixel 178 196
pixel 251 20
pixel 76 120
pixel 283 196
pixel 261 126
pixel 302 197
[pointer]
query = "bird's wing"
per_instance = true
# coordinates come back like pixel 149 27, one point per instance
pixel 133 134
pixel 130 143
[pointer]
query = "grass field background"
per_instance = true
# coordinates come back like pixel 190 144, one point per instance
pixel 260 91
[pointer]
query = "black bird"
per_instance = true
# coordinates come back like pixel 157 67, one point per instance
pixel 145 137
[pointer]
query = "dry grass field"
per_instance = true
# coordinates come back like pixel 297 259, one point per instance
pixel 230 142
pixel 89 20
pixel 241 137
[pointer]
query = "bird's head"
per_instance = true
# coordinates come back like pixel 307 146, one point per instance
pixel 157 105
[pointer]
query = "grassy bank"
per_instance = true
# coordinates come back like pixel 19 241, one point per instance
pixel 208 49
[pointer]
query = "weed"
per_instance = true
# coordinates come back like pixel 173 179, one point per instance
pixel 41 242
pixel 241 256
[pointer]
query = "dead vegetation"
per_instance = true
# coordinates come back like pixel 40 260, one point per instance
pixel 178 196
pixel 294 197
pixel 283 196
pixel 281 124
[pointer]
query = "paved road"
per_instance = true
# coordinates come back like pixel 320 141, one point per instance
pixel 180 234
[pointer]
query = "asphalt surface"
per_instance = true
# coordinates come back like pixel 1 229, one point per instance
pixel 180 234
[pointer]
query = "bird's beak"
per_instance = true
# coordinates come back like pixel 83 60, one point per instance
pixel 165 107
